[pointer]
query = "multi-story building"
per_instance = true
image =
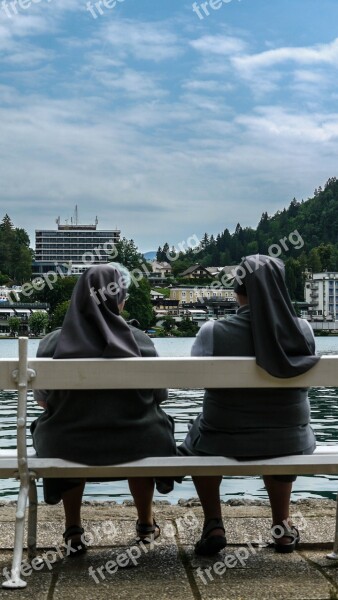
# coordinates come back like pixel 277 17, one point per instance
pixel 72 248
pixel 192 295
pixel 321 293
pixel 21 310
pixel 214 301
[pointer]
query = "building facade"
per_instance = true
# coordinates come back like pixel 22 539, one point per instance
pixel 321 293
pixel 21 310
pixel 212 301
pixel 192 295
pixel 72 248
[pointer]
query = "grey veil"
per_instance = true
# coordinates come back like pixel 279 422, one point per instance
pixel 92 326
pixel 281 347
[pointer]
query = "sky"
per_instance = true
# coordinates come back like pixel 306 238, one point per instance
pixel 165 118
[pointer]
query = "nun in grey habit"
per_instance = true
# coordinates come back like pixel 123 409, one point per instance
pixel 253 423
pixel 100 426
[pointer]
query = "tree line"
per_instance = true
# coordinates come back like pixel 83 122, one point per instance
pixel 15 254
pixel 315 220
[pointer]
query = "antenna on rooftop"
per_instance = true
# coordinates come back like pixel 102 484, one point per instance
pixel 76 215
pixel 96 221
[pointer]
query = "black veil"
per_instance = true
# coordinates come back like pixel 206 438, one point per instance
pixel 281 347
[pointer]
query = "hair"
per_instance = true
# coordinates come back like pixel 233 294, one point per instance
pixel 126 278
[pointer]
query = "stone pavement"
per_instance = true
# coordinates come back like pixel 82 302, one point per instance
pixel 115 567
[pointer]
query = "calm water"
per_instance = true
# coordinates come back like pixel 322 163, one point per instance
pixel 184 405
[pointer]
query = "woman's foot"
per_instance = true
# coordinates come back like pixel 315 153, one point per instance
pixel 285 537
pixel 74 540
pixel 147 533
pixel 211 544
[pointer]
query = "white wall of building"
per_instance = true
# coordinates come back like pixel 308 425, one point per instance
pixel 321 292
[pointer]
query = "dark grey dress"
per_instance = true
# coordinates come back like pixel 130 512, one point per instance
pixel 101 426
pixel 248 422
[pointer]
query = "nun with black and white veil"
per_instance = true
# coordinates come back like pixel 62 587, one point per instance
pixel 255 423
pixel 100 427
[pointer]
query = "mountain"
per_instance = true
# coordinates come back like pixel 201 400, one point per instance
pixel 150 255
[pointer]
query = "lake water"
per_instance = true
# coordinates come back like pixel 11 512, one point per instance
pixel 184 405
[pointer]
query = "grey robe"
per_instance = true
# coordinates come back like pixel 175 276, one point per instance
pixel 103 426
pixel 248 422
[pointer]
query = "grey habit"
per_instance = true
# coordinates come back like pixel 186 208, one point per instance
pixel 100 426
pixel 246 423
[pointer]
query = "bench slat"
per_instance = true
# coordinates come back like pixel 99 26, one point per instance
pixel 7 366
pixel 184 372
pixel 181 465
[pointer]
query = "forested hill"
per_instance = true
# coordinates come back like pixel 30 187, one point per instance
pixel 314 246
pixel 316 221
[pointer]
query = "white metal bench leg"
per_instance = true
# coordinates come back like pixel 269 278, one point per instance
pixel 15 580
pixel 334 554
pixel 32 519
pixel 21 376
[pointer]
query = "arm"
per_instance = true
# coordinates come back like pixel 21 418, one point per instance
pixel 160 395
pixel 308 332
pixel 147 348
pixel 40 396
pixel 204 341
pixel 46 349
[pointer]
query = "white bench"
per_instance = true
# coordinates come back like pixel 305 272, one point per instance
pixel 23 374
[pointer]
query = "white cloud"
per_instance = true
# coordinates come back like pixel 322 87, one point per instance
pixel 224 45
pixel 277 125
pixel 161 149
pixel 143 41
pixel 135 84
pixel 318 54
pixel 207 85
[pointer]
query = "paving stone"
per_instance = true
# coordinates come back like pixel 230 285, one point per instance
pixel 263 576
pixel 156 575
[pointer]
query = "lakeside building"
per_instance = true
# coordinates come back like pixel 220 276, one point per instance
pixel 72 248
pixel 22 310
pixel 321 294
pixel 214 301
pixel 201 294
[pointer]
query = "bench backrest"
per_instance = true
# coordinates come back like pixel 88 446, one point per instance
pixel 45 373
pixel 173 372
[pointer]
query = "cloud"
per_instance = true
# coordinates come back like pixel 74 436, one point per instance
pixel 135 84
pixel 159 130
pixel 315 55
pixel 279 124
pixel 142 40
pixel 224 45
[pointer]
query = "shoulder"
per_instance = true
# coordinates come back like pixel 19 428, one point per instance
pixel 48 344
pixel 143 341
pixel 206 331
pixel 203 344
pixel 308 331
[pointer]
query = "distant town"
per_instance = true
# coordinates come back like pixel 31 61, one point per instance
pixel 195 295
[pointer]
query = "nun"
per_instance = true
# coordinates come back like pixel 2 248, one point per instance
pixel 100 427
pixel 255 423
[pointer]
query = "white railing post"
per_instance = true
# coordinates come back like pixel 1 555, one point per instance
pixel 22 377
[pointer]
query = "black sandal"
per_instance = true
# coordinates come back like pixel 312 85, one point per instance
pixel 211 544
pixel 286 531
pixel 74 548
pixel 147 533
